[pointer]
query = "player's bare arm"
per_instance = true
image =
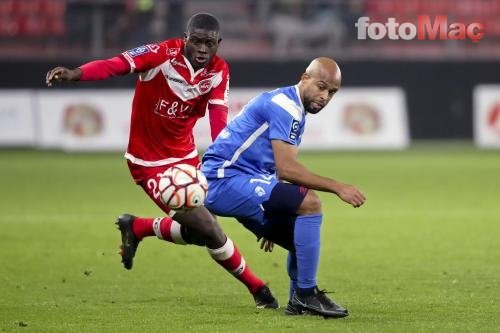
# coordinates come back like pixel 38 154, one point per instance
pixel 291 170
pixel 59 74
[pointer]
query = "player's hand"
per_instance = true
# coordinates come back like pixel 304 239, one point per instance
pixel 351 195
pixel 59 74
pixel 266 244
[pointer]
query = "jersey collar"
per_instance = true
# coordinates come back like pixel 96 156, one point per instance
pixel 297 96
pixel 191 69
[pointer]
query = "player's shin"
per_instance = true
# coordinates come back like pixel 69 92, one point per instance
pixel 307 246
pixel 230 258
pixel 291 267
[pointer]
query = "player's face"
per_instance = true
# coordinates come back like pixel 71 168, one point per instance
pixel 201 46
pixel 318 91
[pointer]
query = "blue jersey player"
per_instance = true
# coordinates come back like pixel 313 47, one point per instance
pixel 254 176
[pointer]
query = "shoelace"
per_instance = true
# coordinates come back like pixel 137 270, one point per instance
pixel 322 296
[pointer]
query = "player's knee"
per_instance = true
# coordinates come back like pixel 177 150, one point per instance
pixel 210 227
pixel 191 237
pixel 202 226
pixel 310 205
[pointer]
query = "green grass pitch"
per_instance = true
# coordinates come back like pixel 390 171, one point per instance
pixel 423 254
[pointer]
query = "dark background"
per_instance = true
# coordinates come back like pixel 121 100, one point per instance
pixel 439 93
pixel 268 43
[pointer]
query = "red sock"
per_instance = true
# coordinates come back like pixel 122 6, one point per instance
pixel 143 227
pixel 230 258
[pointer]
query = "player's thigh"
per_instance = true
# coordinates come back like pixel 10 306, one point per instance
pixel 260 203
pixel 280 211
pixel 239 196
pixel 150 185
pixel 148 178
pixel 284 199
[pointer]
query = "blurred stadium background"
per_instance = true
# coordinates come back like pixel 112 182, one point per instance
pixel 268 44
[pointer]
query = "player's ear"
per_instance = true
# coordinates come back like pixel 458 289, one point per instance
pixel 305 77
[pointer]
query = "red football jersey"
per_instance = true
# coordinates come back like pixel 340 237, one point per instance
pixel 169 98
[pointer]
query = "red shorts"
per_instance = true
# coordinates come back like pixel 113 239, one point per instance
pixel 148 178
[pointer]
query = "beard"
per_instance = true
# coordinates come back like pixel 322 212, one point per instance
pixel 309 108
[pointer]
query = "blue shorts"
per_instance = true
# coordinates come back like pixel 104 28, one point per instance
pixel 261 203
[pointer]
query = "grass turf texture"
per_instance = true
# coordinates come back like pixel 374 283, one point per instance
pixel 422 255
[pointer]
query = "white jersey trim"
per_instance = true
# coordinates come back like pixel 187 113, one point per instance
pixel 191 69
pixel 288 105
pixel 166 161
pixel 130 61
pixel 183 89
pixel 248 142
pixel 149 75
pixel 217 101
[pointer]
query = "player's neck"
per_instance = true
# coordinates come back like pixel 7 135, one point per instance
pixel 301 91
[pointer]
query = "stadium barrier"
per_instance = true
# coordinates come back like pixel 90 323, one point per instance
pixel 98 120
pixel 17 118
pixel 486 99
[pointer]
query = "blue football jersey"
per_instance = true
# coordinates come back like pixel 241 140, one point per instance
pixel 244 146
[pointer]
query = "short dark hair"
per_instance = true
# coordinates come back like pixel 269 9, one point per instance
pixel 203 21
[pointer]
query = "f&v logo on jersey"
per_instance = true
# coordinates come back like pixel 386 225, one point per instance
pixel 294 129
pixel 172 110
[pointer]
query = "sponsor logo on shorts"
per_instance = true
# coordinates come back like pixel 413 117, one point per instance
pixel 259 191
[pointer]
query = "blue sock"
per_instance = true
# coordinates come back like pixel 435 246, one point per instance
pixel 291 267
pixel 307 245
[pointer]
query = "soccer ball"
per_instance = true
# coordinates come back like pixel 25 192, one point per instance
pixel 183 186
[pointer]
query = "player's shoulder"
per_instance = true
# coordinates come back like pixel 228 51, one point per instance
pixel 219 64
pixel 286 99
pixel 172 47
pixel 278 93
pixel 173 42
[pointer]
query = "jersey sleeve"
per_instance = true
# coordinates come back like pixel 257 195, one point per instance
pixel 103 69
pixel 285 123
pixel 218 119
pixel 217 103
pixel 146 57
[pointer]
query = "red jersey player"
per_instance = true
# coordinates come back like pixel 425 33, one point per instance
pixel 180 80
